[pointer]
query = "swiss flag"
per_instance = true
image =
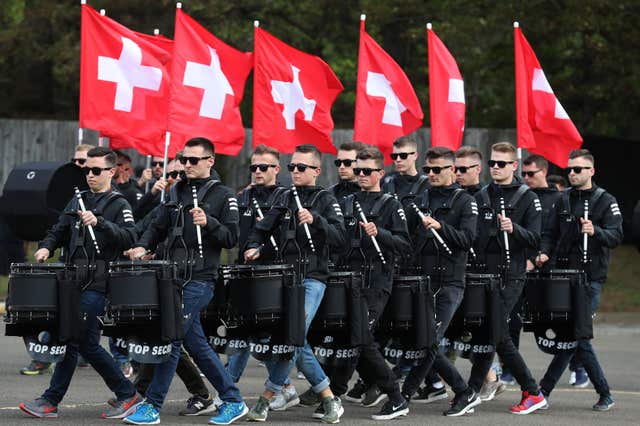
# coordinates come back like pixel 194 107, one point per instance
pixel 207 85
pixel 386 104
pixel 446 95
pixel 543 125
pixel 293 95
pixel 124 82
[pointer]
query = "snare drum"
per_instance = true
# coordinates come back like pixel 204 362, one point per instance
pixel 399 313
pixel 549 296
pixel 475 308
pixel 334 309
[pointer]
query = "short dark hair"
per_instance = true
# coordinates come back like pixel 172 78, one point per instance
pixel 584 153
pixel 110 157
pixel 557 180
pixel 538 160
pixel 371 153
pixel 264 149
pixel 309 149
pixel 205 143
pixel 505 147
pixel 469 151
pixel 121 154
pixel 404 141
pixel 351 146
pixel 178 155
pixel 440 152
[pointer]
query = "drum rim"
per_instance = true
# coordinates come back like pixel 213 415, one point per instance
pixel 279 266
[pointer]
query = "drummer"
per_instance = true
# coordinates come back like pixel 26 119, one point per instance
pixel 217 217
pixel 110 217
pixel 322 217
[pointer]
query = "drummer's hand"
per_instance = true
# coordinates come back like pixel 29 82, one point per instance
pixel 541 259
pixel 530 265
pixel 587 226
pixel 505 224
pixel 41 255
pixel 159 186
pixel 137 253
pixel 87 218
pixel 145 177
pixel 251 254
pixel 305 216
pixel 369 228
pixel 199 217
pixel 149 256
pixel 431 223
pixel 258 219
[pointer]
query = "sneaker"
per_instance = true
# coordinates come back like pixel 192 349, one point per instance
pixel 357 392
pixel 145 414
pixel 489 390
pixel 605 403
pixel 392 410
pixel 286 399
pixel 572 378
pixel 501 388
pixel 507 379
pixel 122 408
pixel 319 412
pixel 217 401
pixel 127 369
pixel 333 410
pixel 34 368
pixel 582 379
pixel 40 408
pixel 300 376
pixel 429 394
pixel 229 412
pixel 259 411
pixel 197 405
pixel 463 403
pixel 310 398
pixel 529 403
pixel 373 396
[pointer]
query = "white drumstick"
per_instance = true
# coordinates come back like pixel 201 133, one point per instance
pixel 435 232
pixel 507 253
pixel 261 216
pixel 585 237
pixel 194 191
pixel 306 225
pixel 373 239
pixel 91 232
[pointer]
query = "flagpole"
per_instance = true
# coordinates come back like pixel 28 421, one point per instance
pixel 167 141
pixel 80 132
pixel 103 12
pixel 516 24
pixel 363 18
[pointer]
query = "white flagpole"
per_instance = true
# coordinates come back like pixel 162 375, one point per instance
pixel 516 24
pixel 167 141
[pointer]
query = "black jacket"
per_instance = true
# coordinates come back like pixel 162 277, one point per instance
pixel 566 239
pixel 146 204
pixel 548 198
pixel 130 191
pixel 327 230
pixel 403 186
pixel 472 189
pixel 175 224
pixel 115 232
pixel 457 213
pixel 343 189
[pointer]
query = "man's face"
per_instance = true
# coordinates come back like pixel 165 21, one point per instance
pixel 102 181
pixel 123 170
pixel 445 176
pixel 346 172
pixel 408 164
pixel 171 167
pixel 268 177
pixel 309 176
pixel 582 179
pixel 503 174
pixel 202 168
pixel 534 176
pixel 369 182
pixel 472 169
pixel 80 155
pixel 157 163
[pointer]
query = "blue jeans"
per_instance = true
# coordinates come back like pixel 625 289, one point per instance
pixel 195 297
pixel 118 357
pixel 92 304
pixel 584 354
pixel 303 357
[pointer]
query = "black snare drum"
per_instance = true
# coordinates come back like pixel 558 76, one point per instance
pixel 475 308
pixel 399 313
pixel 334 309
pixel 549 295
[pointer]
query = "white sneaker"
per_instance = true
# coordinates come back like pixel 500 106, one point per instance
pixel 286 399
pixel 572 378
pixel 217 401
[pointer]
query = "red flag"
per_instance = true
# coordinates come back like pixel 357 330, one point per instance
pixel 446 95
pixel 207 85
pixel 544 127
pixel 293 95
pixel 386 104
pixel 124 82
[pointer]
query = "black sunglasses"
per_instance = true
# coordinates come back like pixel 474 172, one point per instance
pixel 531 173
pixel 364 170
pixel 501 164
pixel 300 166
pixel 192 160
pixel 464 169
pixel 262 167
pixel 80 161
pixel 174 174
pixel 402 155
pixel 436 169
pixel 97 171
pixel 158 164
pixel 577 169
pixel 347 163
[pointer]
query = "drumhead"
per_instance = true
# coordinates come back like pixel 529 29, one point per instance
pixel 138 264
pixel 255 270
pixel 38 268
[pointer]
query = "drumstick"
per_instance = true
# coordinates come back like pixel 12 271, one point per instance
pixel 435 232
pixel 93 235
pixel 585 237
pixel 305 225
pixel 373 239
pixel 257 252
pixel 507 253
pixel 194 191
pixel 261 216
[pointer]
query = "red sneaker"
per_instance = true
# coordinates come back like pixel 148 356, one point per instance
pixel 529 403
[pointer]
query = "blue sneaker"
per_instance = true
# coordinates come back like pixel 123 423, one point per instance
pixel 582 379
pixel 229 413
pixel 146 414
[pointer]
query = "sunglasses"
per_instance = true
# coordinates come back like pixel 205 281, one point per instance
pixel 436 170
pixel 300 166
pixel 158 164
pixel 80 161
pixel 501 164
pixel 464 169
pixel 173 175
pixel 402 155
pixel 262 167
pixel 530 174
pixel 577 169
pixel 347 163
pixel 97 171
pixel 192 160
pixel 364 170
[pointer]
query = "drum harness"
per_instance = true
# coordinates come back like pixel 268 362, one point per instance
pixel 248 201
pixel 390 186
